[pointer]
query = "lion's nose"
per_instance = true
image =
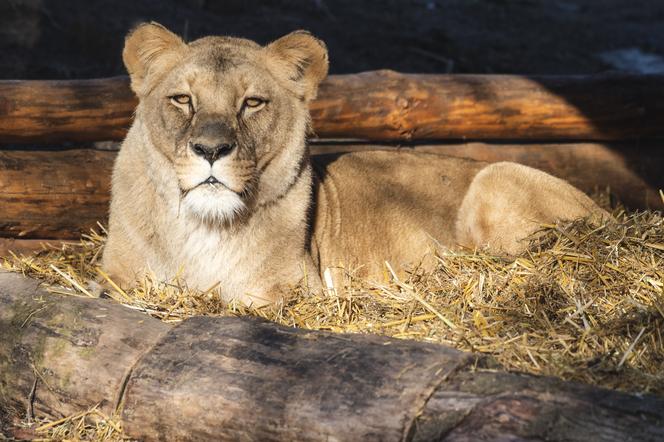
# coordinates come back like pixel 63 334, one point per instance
pixel 213 153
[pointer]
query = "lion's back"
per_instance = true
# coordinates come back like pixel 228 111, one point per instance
pixel 387 203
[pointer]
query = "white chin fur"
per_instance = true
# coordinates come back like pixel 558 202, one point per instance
pixel 213 204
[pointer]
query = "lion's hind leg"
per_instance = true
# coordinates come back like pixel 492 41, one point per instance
pixel 507 202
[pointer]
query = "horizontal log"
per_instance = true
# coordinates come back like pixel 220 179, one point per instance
pixel 83 355
pixel 53 194
pixel 494 405
pixel 38 111
pixel 249 379
pixel 386 105
pixel 59 194
pixel 379 105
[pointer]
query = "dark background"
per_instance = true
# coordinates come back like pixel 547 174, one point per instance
pixel 83 38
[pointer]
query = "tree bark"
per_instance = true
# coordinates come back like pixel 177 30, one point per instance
pixel 493 405
pixel 249 379
pixel 59 194
pixel 78 351
pixel 379 105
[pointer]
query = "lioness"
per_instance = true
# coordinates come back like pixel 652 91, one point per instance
pixel 214 182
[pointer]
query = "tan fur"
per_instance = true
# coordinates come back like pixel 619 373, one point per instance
pixel 271 216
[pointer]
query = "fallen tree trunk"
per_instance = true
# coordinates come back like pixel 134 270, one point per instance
pixel 248 379
pixel 78 351
pixel 380 105
pixel 59 194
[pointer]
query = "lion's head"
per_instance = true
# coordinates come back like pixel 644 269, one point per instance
pixel 230 116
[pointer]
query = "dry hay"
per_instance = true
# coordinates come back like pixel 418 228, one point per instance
pixel 90 425
pixel 585 303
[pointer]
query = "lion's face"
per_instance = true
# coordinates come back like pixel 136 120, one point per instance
pixel 216 116
pixel 229 115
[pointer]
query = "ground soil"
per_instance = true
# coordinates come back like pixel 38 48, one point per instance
pixel 83 38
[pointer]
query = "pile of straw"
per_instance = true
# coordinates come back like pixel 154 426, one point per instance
pixel 90 425
pixel 585 303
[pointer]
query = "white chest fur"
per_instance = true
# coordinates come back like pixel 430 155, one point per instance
pixel 205 257
pixel 245 261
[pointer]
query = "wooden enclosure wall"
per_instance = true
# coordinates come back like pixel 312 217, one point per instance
pixel 597 132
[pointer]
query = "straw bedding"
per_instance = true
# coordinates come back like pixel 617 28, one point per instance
pixel 585 303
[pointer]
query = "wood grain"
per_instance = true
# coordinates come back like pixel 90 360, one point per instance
pixel 79 350
pixel 271 383
pixel 386 105
pixel 378 105
pixel 53 194
pixel 494 405
pixel 43 111
pixel 60 194
pixel 242 378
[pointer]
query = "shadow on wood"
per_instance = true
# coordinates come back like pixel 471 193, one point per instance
pixel 60 194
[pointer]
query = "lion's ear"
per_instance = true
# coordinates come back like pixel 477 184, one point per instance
pixel 300 59
pixel 149 51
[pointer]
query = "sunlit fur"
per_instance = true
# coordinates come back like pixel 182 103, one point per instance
pixel 242 232
pixel 265 222
pixel 220 202
pixel 213 204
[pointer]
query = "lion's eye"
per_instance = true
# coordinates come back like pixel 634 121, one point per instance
pixel 181 99
pixel 254 102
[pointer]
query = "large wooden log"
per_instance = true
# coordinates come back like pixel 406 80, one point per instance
pixel 494 405
pixel 79 352
pixel 386 105
pixel 59 194
pixel 55 111
pixel 380 105
pixel 247 379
